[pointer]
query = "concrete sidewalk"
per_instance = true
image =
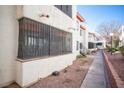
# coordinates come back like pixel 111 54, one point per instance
pixel 96 77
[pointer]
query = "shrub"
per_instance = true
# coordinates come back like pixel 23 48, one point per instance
pixel 112 50
pixel 80 56
pixel 122 50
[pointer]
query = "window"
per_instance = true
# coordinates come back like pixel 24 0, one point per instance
pixel 80 32
pixel 67 9
pixel 77 45
pixel 38 39
pixel 81 46
pixel 91 45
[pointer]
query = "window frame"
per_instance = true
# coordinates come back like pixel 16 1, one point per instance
pixel 54 40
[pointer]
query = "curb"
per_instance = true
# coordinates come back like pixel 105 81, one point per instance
pixel 114 79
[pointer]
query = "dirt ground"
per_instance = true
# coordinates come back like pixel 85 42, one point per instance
pixel 70 77
pixel 117 61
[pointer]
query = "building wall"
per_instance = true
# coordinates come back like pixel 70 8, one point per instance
pixel 86 39
pixel 31 71
pixel 77 36
pixel 55 16
pixel 25 73
pixel 81 38
pixel 9 44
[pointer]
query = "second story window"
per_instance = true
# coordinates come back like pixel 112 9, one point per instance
pixel 67 9
pixel 80 32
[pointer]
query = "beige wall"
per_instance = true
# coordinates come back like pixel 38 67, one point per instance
pixel 8 44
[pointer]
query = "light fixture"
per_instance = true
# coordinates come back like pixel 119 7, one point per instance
pixel 43 15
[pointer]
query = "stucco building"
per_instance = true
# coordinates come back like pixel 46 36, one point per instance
pixel 35 41
pixel 82 35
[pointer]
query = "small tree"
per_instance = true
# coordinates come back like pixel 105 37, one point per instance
pixel 105 29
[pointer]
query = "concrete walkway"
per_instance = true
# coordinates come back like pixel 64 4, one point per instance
pixel 96 77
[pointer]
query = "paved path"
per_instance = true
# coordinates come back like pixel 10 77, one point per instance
pixel 96 77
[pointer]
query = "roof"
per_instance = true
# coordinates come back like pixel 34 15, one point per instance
pixel 80 18
pixel 83 27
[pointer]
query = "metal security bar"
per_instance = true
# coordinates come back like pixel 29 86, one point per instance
pixel 37 40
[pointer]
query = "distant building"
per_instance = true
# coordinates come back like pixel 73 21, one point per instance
pixel 96 41
pixel 92 41
pixel 101 42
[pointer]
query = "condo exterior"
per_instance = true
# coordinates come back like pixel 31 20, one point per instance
pixel 38 40
pixel 82 35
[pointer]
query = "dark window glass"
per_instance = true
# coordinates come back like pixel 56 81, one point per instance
pixel 99 44
pixel 38 39
pixel 81 46
pixel 80 32
pixel 91 45
pixel 77 45
pixel 67 9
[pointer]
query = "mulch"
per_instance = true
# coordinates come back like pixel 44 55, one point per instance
pixel 117 61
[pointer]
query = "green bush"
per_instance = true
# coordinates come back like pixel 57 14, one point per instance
pixel 80 56
pixel 122 50
pixel 112 50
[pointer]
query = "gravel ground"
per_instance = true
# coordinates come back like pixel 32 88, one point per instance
pixel 70 77
pixel 117 61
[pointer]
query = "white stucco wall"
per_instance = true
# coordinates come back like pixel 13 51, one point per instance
pixel 25 73
pixel 86 38
pixel 31 71
pixel 56 17
pixel 8 44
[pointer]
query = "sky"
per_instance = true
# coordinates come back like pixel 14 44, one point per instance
pixel 98 14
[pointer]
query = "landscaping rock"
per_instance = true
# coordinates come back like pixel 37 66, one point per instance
pixel 55 73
